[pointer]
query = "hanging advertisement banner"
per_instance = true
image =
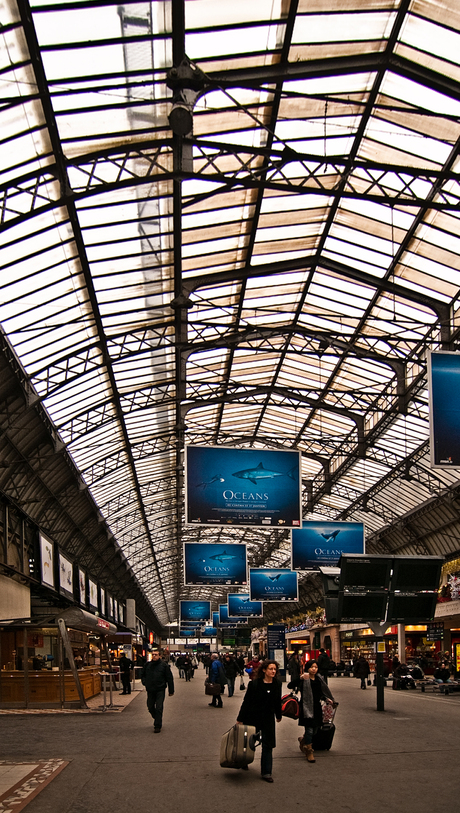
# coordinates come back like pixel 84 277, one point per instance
pixel 224 617
pixel 273 584
pixel 195 611
pixel 215 563
pixel 92 588
pixel 65 576
pixel 209 632
pixel 241 487
pixel 318 544
pixel 82 586
pixel 47 560
pixel 241 604
pixel 444 413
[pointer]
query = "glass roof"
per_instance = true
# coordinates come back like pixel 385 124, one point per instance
pixel 272 277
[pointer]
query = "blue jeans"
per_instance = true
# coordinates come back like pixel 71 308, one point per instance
pixel 230 686
pixel 155 702
pixel 310 731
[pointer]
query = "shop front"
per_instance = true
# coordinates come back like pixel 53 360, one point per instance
pixel 56 665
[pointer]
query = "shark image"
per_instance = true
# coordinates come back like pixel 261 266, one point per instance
pixel 223 557
pixel 330 537
pixel 216 479
pixel 261 473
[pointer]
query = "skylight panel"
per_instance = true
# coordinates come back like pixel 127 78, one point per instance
pixel 432 38
pixel 311 28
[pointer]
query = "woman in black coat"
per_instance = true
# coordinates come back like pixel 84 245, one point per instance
pixel 260 706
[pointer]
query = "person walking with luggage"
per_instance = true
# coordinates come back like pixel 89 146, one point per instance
pixel 260 707
pixel 125 665
pixel 313 689
pixel 362 670
pixel 217 675
pixel 156 675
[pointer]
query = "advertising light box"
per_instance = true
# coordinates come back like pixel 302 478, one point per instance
pixel 318 544
pixel 225 618
pixel 195 611
pixel 214 563
pixel 82 586
pixel 92 588
pixel 65 576
pixel 273 584
pixel 444 389
pixel 47 560
pixel 241 604
pixel 209 632
pixel 241 487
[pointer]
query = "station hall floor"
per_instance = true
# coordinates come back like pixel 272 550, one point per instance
pixel 406 758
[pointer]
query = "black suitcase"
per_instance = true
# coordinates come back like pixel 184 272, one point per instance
pixel 322 740
pixel 237 746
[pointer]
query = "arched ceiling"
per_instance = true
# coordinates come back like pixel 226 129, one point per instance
pixel 273 278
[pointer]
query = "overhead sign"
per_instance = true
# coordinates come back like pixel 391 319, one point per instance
pixel 444 413
pixel 195 611
pixel 209 632
pixel 225 618
pixel 241 604
pixel 241 487
pixel 322 543
pixel 214 563
pixel 273 584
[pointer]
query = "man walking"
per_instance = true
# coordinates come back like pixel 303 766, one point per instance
pixel 324 662
pixel 125 665
pixel 156 676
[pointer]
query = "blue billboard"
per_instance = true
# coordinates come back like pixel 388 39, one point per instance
pixel 273 584
pixel 444 387
pixel 241 487
pixel 215 619
pixel 209 632
pixel 319 544
pixel 225 618
pixel 214 563
pixel 195 611
pixel 241 604
pixel 187 633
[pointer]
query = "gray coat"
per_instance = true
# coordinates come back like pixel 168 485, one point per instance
pixel 306 700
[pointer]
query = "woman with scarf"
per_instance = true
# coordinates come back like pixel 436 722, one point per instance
pixel 313 689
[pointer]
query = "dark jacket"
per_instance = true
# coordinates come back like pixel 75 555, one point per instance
pixel 217 674
pixel 361 668
pixel 231 668
pixel 261 705
pixel 125 664
pixel 156 675
pixel 324 663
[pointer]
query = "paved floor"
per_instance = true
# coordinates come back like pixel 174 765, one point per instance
pixel 406 758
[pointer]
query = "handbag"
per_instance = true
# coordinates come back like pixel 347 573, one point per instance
pixel 242 685
pixel 290 706
pixel 212 689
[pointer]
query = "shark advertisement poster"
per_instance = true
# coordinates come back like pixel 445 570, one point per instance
pixel 215 563
pixel 226 619
pixel 195 611
pixel 444 389
pixel 209 632
pixel 321 544
pixel 241 604
pixel 273 584
pixel 242 487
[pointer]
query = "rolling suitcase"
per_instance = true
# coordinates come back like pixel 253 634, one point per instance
pixel 322 740
pixel 237 746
